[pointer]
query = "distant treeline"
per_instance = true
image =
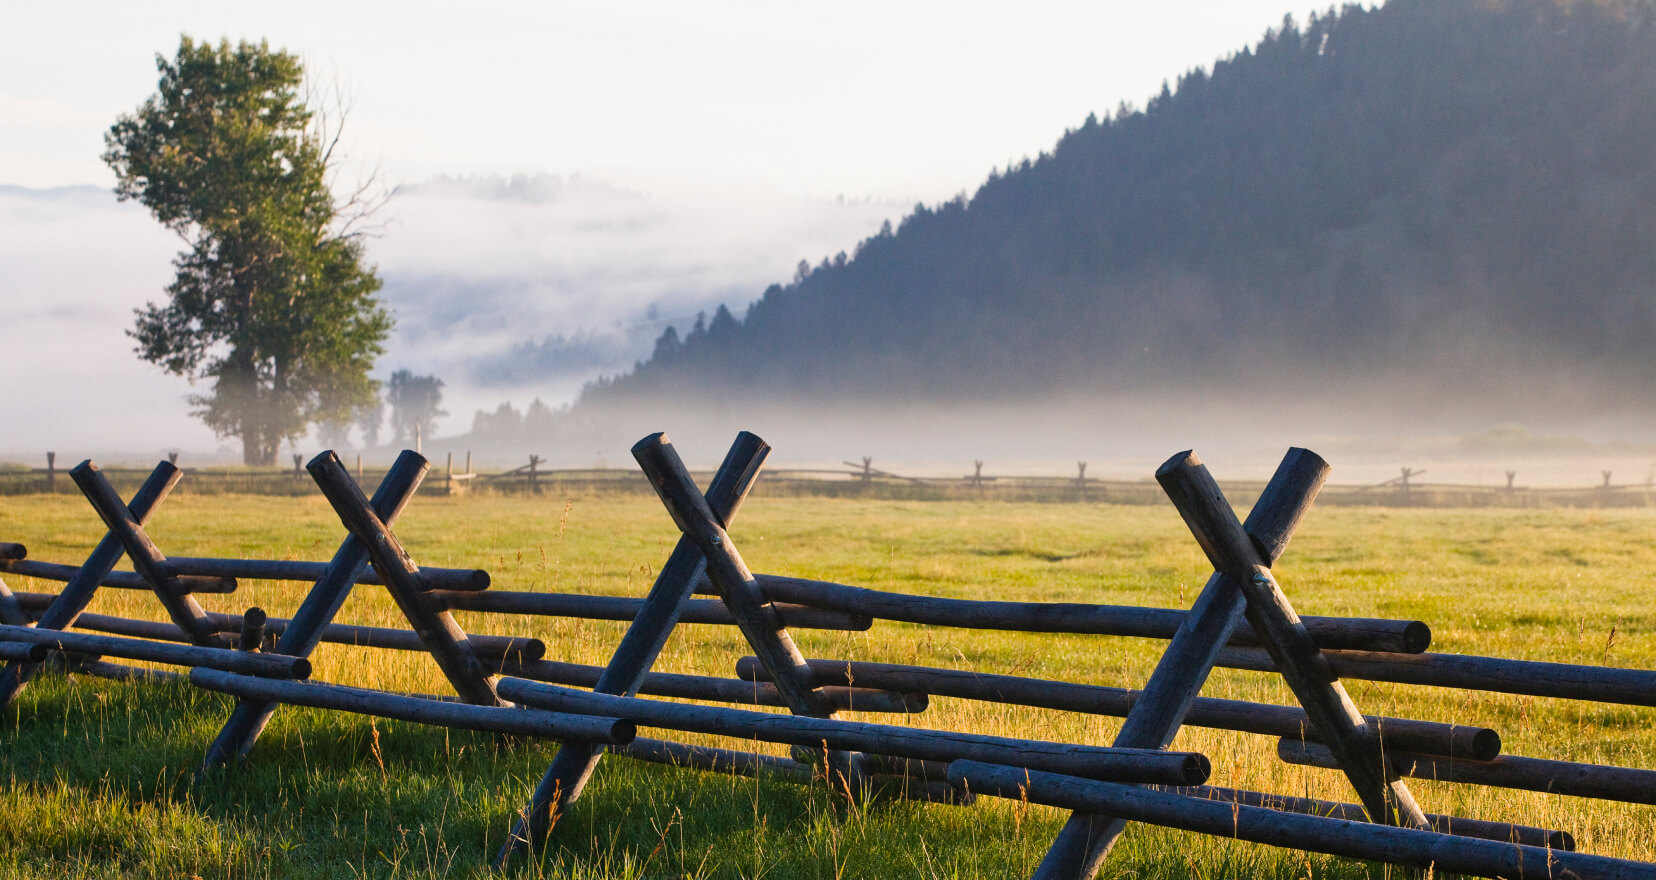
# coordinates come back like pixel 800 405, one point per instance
pixel 1443 189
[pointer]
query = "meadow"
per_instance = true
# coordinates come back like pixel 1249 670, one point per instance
pixel 97 774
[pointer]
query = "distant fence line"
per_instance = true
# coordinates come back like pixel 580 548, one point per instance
pixel 863 479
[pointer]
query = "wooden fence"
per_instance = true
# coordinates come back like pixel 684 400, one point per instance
pixel 863 479
pixel 1241 619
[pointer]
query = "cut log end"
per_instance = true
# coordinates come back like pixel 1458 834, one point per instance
pixel 649 442
pixel 1486 745
pixel 1180 461
pixel 1417 637
pixel 622 732
pixel 1196 767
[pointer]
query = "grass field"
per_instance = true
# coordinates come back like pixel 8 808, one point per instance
pixel 97 774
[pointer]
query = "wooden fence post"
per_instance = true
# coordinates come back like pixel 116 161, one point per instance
pixel 51 471
pixel 434 624
pixel 1511 475
pixel 304 631
pixel 755 615
pixel 1081 479
pixel 1157 715
pixel 1407 473
pixel 468 461
pixel 78 592
pixel 1338 723
pixel 977 473
pixel 637 652
pixel 448 474
pixel 172 457
pixel 298 466
pixel 147 558
pixel 534 464
pixel 867 470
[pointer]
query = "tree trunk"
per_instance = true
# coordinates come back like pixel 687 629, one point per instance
pixel 257 451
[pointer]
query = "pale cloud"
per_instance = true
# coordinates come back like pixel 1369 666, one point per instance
pixel 532 286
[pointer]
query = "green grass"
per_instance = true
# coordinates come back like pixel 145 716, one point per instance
pixel 97 774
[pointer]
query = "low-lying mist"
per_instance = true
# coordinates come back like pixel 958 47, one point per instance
pixel 1123 437
pixel 506 289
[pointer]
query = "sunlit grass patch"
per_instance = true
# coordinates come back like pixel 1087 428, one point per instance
pixel 97 775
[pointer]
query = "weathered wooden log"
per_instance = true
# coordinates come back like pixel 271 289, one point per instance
pixel 9 550
pixel 624 608
pixel 723 690
pixel 1444 853
pixel 1601 781
pixel 460 579
pixel 1599 684
pixel 1227 545
pixel 441 635
pixel 1368 634
pixel 123 672
pixel 877 774
pixel 22 652
pixel 493 647
pixel 497 719
pixel 1133 765
pixel 930 790
pixel 488 647
pixel 60 614
pixel 1086 838
pixel 1397 734
pixel 268 665
pixel 120 580
pixel 889 765
pixel 146 558
pixel 715 760
pixel 1503 831
pixel 570 769
pixel 310 624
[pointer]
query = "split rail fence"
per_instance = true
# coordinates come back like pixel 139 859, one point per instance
pixel 1408 489
pixel 1242 619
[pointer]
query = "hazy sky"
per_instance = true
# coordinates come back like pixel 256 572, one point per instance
pixel 889 99
pixel 715 142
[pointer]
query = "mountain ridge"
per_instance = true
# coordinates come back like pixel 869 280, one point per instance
pixel 1425 194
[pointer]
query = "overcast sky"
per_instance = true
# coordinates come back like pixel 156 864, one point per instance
pixel 735 129
pixel 852 98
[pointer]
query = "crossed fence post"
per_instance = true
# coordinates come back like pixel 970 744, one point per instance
pixel 304 632
pixel 1242 584
pixel 436 627
pixel 370 539
pixel 78 592
pixel 703 546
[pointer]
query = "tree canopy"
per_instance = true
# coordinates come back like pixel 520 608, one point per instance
pixel 272 304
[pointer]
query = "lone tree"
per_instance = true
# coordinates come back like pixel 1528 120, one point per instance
pixel 272 302
pixel 416 403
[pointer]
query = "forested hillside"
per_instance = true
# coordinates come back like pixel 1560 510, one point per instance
pixel 1451 192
